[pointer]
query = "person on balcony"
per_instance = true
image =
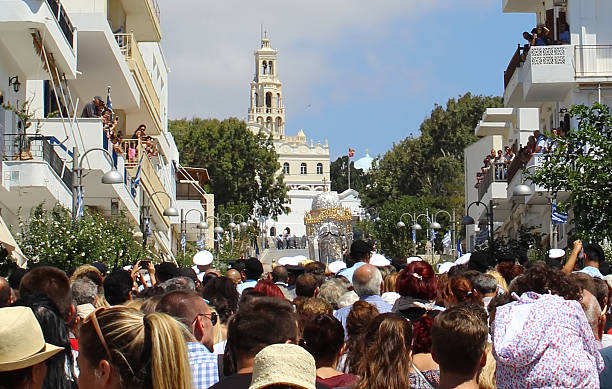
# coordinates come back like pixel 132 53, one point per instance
pixel 564 34
pixel 540 146
pixel 509 155
pixel 92 109
pixel 499 165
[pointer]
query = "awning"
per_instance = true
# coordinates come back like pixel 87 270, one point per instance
pixel 9 243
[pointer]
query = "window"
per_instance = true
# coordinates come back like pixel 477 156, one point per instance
pixel 319 168
pixel 286 167
pixel 303 169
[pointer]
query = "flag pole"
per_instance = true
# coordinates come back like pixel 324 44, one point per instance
pixel 349 170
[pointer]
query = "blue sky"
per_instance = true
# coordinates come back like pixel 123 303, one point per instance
pixel 357 74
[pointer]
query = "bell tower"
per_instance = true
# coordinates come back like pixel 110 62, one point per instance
pixel 266 111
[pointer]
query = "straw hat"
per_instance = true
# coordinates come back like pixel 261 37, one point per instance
pixel 21 340
pixel 286 364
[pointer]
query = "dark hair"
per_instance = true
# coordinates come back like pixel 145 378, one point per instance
pixel 481 261
pixel 187 272
pixel 264 322
pixel 509 271
pixel 305 285
pixel 602 291
pixel 485 284
pixel 15 277
pixel 359 318
pixel 15 378
pixel 421 335
pixel 359 249
pixel 165 271
pixel 222 288
pixel 417 280
pixel 459 337
pixel 52 282
pixel 594 252
pixel 269 289
pixel 324 337
pixel 280 274
pixel 117 286
pixel 55 332
pixel 5 293
pixel 584 282
pixel 253 269
pixel 542 279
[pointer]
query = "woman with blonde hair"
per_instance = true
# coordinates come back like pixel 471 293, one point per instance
pixel 122 348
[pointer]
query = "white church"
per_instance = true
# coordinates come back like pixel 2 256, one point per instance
pixel 305 163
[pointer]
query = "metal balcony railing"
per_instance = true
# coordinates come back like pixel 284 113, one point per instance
pixel 497 173
pixel 20 147
pixel 62 19
pixel 593 60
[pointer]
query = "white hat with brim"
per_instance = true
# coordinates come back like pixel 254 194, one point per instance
pixel 556 253
pixel 293 261
pixel 336 266
pixel 379 260
pixel 413 259
pixel 203 258
pixel 445 267
pixel 462 260
pixel 22 343
pixel 284 365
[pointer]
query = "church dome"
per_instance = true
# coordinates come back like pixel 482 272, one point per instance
pixel 364 163
pixel 326 200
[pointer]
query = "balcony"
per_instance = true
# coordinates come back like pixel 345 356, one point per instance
pixel 520 6
pixel 34 173
pixel 129 48
pixel 143 17
pixel 25 25
pixel 494 183
pixel 138 158
pixel 546 75
pixel 593 63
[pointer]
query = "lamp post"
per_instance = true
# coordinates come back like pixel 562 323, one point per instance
pixel 436 226
pixel 110 177
pixel 202 225
pixel 467 219
pixel 146 214
pixel 413 226
pixel 233 226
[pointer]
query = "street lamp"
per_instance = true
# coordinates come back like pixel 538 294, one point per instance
pixel 436 226
pixel 146 214
pixel 232 226
pixel 467 219
pixel 202 225
pixel 110 177
pixel 416 226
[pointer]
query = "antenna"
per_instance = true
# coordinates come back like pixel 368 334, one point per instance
pixel 261 32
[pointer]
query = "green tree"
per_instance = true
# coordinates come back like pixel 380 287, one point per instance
pixel 243 167
pixel 581 164
pixel 339 175
pixel 49 237
pixel 431 164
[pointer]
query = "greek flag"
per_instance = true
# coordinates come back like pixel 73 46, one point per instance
pixel 200 242
pixel 433 234
pixel 556 216
pixel 79 203
pixel 109 103
pixel 183 241
pixel 147 229
pixel 413 236
pixel 446 239
pixel 459 251
pixel 136 180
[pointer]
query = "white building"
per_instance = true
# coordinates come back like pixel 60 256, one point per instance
pixel 539 87
pixel 64 53
pixel 305 164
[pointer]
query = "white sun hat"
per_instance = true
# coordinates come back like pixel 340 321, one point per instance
pixel 379 260
pixel 336 266
pixel 445 267
pixel 203 258
pixel 462 260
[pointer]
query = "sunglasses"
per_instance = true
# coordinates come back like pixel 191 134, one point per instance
pixel 213 317
pixel 94 320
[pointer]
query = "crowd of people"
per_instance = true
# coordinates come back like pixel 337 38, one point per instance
pixel 110 124
pixel 500 161
pixel 495 321
pixel 543 36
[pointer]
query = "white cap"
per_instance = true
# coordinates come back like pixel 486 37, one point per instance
pixel 203 258
pixel 336 266
pixel 445 267
pixel 413 259
pixel 556 253
pixel 462 260
pixel 293 261
pixel 379 260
